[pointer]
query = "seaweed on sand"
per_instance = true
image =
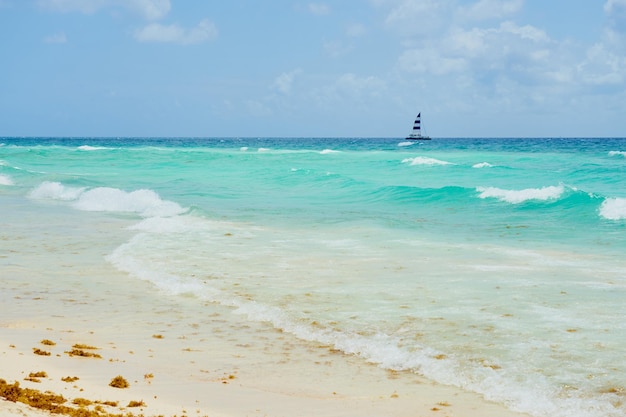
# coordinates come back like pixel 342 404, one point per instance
pixel 119 382
pixel 40 352
pixel 41 400
pixel 83 353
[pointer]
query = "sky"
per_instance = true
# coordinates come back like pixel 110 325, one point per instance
pixel 297 68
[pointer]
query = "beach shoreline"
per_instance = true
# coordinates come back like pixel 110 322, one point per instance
pixel 181 377
pixel 174 367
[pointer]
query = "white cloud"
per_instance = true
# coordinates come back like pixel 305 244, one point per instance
pixel 614 6
pixel 524 32
pixel 148 9
pixel 602 67
pixel 423 16
pixel 616 13
pixel 477 58
pixel 155 32
pixel 492 9
pixel 56 38
pixel 284 81
pixel 319 9
pixel 507 47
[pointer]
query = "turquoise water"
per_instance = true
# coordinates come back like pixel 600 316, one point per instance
pixel 495 265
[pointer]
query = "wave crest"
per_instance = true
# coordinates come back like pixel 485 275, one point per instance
pixel 616 153
pixel 482 165
pixel 146 203
pixel 520 196
pixel 91 148
pixel 49 190
pixel 424 160
pixel 613 209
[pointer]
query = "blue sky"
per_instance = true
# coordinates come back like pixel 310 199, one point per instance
pixel 363 68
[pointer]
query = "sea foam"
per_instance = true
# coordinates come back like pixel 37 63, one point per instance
pixel 146 203
pixel 617 153
pixel 5 180
pixel 613 209
pixel 91 148
pixel 424 160
pixel 520 196
pixel 49 190
pixel 531 395
pixel 482 165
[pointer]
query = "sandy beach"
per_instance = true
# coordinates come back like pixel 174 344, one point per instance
pixel 176 369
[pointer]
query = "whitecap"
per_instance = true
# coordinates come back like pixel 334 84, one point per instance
pixel 243 148
pixel 616 153
pixel 406 143
pixel 5 180
pixel 613 209
pixel 91 148
pixel 327 151
pixel 520 196
pixel 423 160
pixel 263 149
pixel 144 202
pixel 482 165
pixel 50 190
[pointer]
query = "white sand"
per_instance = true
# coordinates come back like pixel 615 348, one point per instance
pixel 209 368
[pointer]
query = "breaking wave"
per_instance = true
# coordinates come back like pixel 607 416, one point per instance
pixel 613 209
pixel 424 160
pixel 143 202
pixel 520 196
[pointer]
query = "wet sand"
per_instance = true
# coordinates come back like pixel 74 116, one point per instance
pixel 219 365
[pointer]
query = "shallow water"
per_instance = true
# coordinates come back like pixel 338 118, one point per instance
pixel 452 258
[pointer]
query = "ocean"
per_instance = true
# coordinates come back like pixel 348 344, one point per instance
pixel 495 265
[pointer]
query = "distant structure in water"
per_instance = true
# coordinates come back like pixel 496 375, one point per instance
pixel 416 134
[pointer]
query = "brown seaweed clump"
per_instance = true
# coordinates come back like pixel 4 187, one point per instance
pixel 70 379
pixel 82 402
pixel 83 353
pixel 119 382
pixel 83 346
pixel 47 342
pixel 55 403
pixel 41 400
pixel 40 352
